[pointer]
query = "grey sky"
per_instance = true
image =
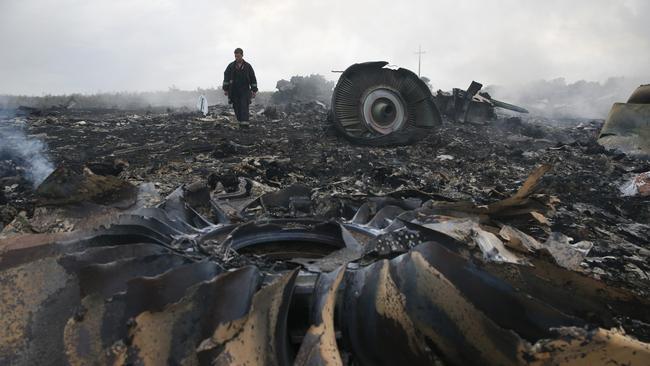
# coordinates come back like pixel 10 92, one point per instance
pixel 67 46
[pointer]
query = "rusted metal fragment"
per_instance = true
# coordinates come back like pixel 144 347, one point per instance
pixel 84 337
pixel 627 127
pixel 518 204
pixel 573 293
pixel 22 249
pixel 433 303
pixel 127 229
pixel 260 337
pixel 503 304
pixel 319 344
pixel 580 347
pixel 154 293
pixel 101 255
pixel 100 330
pixel 417 317
pixel 36 299
pixel 111 278
pixel 172 336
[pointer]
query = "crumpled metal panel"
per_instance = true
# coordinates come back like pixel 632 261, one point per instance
pixel 165 330
pixel 406 311
pixel 627 127
pixel 260 337
pixel 146 289
pixel 319 345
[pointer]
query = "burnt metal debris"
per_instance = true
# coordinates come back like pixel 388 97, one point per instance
pixel 379 106
pixel 471 105
pixel 522 241
pixel 627 127
pixel 168 285
pixel 376 105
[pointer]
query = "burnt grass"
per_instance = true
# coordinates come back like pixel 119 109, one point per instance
pixel 481 163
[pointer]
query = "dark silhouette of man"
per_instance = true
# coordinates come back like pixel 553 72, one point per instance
pixel 240 85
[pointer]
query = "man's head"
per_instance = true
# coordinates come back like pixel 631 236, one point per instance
pixel 239 54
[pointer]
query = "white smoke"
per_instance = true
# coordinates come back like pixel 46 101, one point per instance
pixel 27 152
pixel 558 98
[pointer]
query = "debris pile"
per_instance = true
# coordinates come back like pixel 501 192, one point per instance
pixel 471 105
pixel 201 242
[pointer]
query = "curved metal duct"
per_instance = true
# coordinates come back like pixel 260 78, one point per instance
pixel 378 106
pixel 627 127
pixel 640 95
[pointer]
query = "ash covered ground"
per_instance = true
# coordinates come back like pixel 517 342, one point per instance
pixel 157 229
pixel 295 143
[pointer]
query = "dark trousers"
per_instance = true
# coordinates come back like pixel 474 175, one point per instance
pixel 240 105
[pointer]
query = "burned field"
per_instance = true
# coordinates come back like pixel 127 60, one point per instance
pixel 172 237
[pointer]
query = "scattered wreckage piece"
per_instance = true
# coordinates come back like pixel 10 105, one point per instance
pixel 637 185
pixel 471 105
pixel 71 183
pixel 627 127
pixel 151 288
pixel 378 106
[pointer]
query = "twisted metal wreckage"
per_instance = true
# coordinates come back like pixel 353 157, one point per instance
pixel 403 281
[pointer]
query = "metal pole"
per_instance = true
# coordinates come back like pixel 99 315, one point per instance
pixel 419 53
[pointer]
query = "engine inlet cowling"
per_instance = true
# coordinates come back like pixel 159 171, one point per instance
pixel 379 106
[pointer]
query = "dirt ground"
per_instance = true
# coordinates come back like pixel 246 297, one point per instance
pixel 481 163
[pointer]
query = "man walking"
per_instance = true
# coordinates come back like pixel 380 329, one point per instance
pixel 240 85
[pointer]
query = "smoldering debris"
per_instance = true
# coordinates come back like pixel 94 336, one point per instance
pixel 507 241
pixel 27 153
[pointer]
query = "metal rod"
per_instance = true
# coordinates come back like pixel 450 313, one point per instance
pixel 419 53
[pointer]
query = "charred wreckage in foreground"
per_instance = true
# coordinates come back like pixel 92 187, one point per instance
pixel 256 276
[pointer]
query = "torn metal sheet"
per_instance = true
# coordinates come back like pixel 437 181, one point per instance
pixel 566 254
pixel 260 337
pixel 471 106
pixel 151 288
pixel 319 345
pixel 420 308
pixel 518 240
pixel 627 127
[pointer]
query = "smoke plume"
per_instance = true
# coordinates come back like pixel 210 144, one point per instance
pixel 558 99
pixel 26 152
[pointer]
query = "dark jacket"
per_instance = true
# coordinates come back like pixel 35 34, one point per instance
pixel 239 83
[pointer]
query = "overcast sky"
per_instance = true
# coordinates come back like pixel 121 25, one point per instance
pixel 67 46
